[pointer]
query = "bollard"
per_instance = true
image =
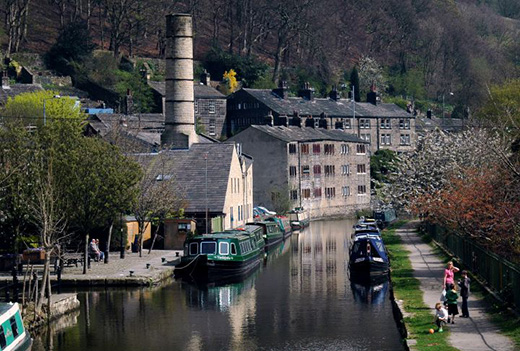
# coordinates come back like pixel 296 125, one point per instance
pixel 163 259
pixel 58 271
pixel 176 254
pixel 88 261
pixel 147 266
pixel 131 273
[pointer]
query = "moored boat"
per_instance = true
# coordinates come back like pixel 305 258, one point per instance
pixel 222 254
pixel 299 218
pixel 368 254
pixel 13 335
pixel 273 234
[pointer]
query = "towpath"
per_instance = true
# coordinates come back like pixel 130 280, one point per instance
pixel 476 333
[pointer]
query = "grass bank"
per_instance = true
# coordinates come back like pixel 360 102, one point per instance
pixel 418 317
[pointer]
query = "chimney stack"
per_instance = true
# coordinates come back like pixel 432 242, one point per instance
pixel 322 123
pixel 205 78
pixel 269 119
pixel 129 102
pixel 282 91
pixel 179 128
pixel 372 95
pixel 334 94
pixel 307 92
pixel 296 120
pixel 5 80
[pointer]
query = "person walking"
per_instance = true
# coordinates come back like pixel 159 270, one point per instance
pixel 449 276
pixel 464 284
pixel 451 299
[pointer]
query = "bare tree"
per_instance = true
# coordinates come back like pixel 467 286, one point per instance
pixel 16 12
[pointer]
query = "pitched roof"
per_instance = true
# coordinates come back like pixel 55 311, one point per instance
pixel 201 91
pixel 317 106
pixel 293 133
pixel 16 89
pixel 188 168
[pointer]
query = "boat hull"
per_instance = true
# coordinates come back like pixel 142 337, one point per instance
pixel 201 266
pixel 369 266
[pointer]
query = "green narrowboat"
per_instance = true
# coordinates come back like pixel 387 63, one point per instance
pixel 13 336
pixel 273 234
pixel 220 255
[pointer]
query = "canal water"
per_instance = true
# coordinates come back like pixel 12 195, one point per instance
pixel 301 298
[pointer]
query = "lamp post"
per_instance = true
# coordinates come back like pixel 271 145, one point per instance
pixel 44 112
pixel 443 109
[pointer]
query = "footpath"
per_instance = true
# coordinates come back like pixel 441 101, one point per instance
pixel 476 333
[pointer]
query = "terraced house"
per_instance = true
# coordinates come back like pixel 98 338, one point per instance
pixel 324 171
pixel 383 125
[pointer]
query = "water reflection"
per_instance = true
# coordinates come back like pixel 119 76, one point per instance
pixel 300 298
pixel 369 291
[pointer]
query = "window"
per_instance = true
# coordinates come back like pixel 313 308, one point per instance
pixel 386 139
pixel 364 123
pixel 194 248
pixel 3 341
pixel 208 248
pixel 223 248
pixel 329 149
pixel 306 193
pixel 405 139
pixel 212 107
pixel 362 189
pixel 292 171
pixel 345 191
pixel 316 148
pixel 330 192
pixel 233 249
pixel 239 212
pixel 292 148
pixel 212 127
pixel 361 169
pixel 366 137
pixel 317 170
pixel 404 123
pixel 385 123
pixel 305 149
pixel 361 149
pixel 329 170
pixel 317 192
pixel 344 149
pixel 305 171
pixel 183 226
pixel 345 169
pixel 294 194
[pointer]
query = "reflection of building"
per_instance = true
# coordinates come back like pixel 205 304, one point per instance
pixel 327 172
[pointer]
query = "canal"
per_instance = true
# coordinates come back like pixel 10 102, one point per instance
pixel 301 298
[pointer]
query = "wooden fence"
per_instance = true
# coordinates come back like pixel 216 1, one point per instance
pixel 500 275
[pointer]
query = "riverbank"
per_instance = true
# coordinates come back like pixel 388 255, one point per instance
pixel 417 275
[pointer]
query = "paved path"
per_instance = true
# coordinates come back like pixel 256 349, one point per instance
pixel 467 334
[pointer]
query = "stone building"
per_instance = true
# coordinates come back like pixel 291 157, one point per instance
pixel 8 90
pixel 383 125
pixel 324 171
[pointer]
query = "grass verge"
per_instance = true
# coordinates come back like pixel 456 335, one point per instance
pixel 418 317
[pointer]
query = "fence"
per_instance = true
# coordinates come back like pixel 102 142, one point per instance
pixel 500 275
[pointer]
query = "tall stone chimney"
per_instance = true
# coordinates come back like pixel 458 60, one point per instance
pixel 5 80
pixel 179 128
pixel 372 95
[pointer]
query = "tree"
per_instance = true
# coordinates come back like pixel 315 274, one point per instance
pixel 382 164
pixel 73 45
pixel 354 84
pixel 159 195
pixel 370 73
pixel 230 82
pixel 16 17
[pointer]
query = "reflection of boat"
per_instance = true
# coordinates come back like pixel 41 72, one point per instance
pixel 220 255
pixel 299 218
pixel 13 335
pixel 368 254
pixel 371 291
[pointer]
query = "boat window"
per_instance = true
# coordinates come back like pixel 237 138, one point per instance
pixel 208 247
pixel 3 341
pixel 14 326
pixel 223 248
pixel 233 249
pixel 194 248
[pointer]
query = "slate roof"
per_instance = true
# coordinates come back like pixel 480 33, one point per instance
pixel 332 108
pixel 293 133
pixel 423 124
pixel 188 168
pixel 201 91
pixel 16 89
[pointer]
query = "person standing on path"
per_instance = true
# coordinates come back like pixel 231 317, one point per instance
pixel 451 299
pixel 449 276
pixel 464 284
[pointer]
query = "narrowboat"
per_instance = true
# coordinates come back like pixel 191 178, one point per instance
pixel 273 234
pixel 366 224
pixel 299 218
pixel 13 335
pixel 368 254
pixel 220 255
pixel 384 217
pixel 283 223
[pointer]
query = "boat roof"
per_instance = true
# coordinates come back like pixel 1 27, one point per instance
pixel 229 234
pixel 367 236
pixel 7 310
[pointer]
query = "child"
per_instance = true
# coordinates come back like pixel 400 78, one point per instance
pixel 441 315
pixel 464 283
pixel 451 299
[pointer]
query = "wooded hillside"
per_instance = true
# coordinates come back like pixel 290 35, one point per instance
pixel 425 48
